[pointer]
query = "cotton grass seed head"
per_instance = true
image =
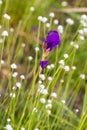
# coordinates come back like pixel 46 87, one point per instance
pixel 49 112
pixel 32 9
pixel 64 3
pixel 81 38
pixel 40 18
pixel 6 16
pixel 36 49
pixel 30 58
pixel 18 84
pixel 55 21
pixel 0 2
pixel 4 33
pixel 73 67
pixel 15 74
pixel 43 100
pixel 8 127
pixel 13 66
pixel 22 76
pixel 52 15
pixel 66 56
pixel 66 68
pixel 50 78
pixel 48 25
pixel 48 106
pixel 63 101
pixel 36 129
pixel 8 119
pixel 44 19
pixel 61 62
pixel 53 95
pixel 69 21
pixel 82 76
pixel 2 62
pixel 42 76
pixel 60 29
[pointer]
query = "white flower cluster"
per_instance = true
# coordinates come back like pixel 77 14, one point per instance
pixel 42 19
pixel 60 29
pixel 8 127
pixel 42 76
pixel 51 66
pixel 6 16
pixel 76 46
pixel 70 21
pixel 83 20
pixel 42 90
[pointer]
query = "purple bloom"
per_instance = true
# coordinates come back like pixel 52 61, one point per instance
pixel 43 63
pixel 52 39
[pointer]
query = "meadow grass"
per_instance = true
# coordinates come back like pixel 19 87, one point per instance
pixel 54 98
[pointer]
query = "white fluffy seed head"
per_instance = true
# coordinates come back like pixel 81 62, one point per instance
pixel 76 110
pixel 22 128
pixel 44 19
pixel 61 62
pixel 84 17
pixel 32 9
pixel 74 67
pixel 23 45
pixel 18 84
pixel 66 68
pixel 49 105
pixel 52 65
pixel 4 33
pixel 50 78
pixel 52 15
pixel 36 49
pixel 2 62
pixel 8 119
pixel 6 16
pixel 48 67
pixel 36 129
pixel 48 25
pixel 48 112
pixel 43 100
pixel 22 76
pixel 62 81
pixel 12 95
pixel 63 101
pixel 69 21
pixel 64 3
pixel 42 76
pixel 81 38
pixel 40 82
pixel 8 127
pixel 76 46
pixel 30 58
pixel 53 95
pixel 40 18
pixel 0 2
pixel 66 56
pixel 11 29
pixel 82 76
pixel 13 66
pixel 60 29
pixel 55 21
pixel 15 74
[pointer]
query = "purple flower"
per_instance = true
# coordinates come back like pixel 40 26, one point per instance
pixel 52 39
pixel 43 63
